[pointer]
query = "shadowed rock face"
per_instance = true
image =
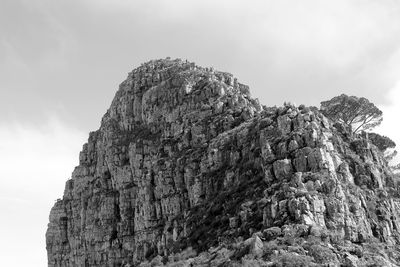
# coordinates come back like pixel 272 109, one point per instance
pixel 187 168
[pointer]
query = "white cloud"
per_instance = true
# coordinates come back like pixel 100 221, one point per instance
pixel 278 47
pixel 390 126
pixel 36 160
pixel 12 66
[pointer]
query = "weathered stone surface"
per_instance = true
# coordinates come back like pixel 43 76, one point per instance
pixel 188 170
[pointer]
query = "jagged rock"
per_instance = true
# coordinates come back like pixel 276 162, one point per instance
pixel 351 260
pixel 186 169
pixel 255 246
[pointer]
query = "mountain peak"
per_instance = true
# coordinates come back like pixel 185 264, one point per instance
pixel 188 169
pixel 163 91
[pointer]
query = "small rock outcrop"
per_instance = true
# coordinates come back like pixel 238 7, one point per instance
pixel 188 170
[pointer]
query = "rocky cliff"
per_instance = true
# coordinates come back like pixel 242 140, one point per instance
pixel 188 170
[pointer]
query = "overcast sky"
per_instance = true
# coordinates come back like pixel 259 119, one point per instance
pixel 61 62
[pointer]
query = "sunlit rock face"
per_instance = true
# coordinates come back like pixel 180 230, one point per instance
pixel 187 168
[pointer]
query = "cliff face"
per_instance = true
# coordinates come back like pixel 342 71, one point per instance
pixel 187 168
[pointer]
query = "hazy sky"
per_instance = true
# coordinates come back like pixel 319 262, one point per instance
pixel 61 62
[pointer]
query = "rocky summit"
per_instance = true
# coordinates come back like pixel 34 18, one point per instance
pixel 187 169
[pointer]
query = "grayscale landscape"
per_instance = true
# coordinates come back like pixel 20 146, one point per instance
pixel 199 133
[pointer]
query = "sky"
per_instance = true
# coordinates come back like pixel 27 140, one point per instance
pixel 61 62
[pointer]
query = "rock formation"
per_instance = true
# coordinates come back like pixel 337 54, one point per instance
pixel 188 170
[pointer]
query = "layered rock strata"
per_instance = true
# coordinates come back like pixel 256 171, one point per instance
pixel 187 168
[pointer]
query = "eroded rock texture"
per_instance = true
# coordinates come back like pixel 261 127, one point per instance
pixel 188 170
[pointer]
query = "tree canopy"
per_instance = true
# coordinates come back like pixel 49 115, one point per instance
pixel 380 141
pixel 357 112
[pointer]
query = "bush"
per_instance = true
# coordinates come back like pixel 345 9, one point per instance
pixel 293 260
pixel 322 254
